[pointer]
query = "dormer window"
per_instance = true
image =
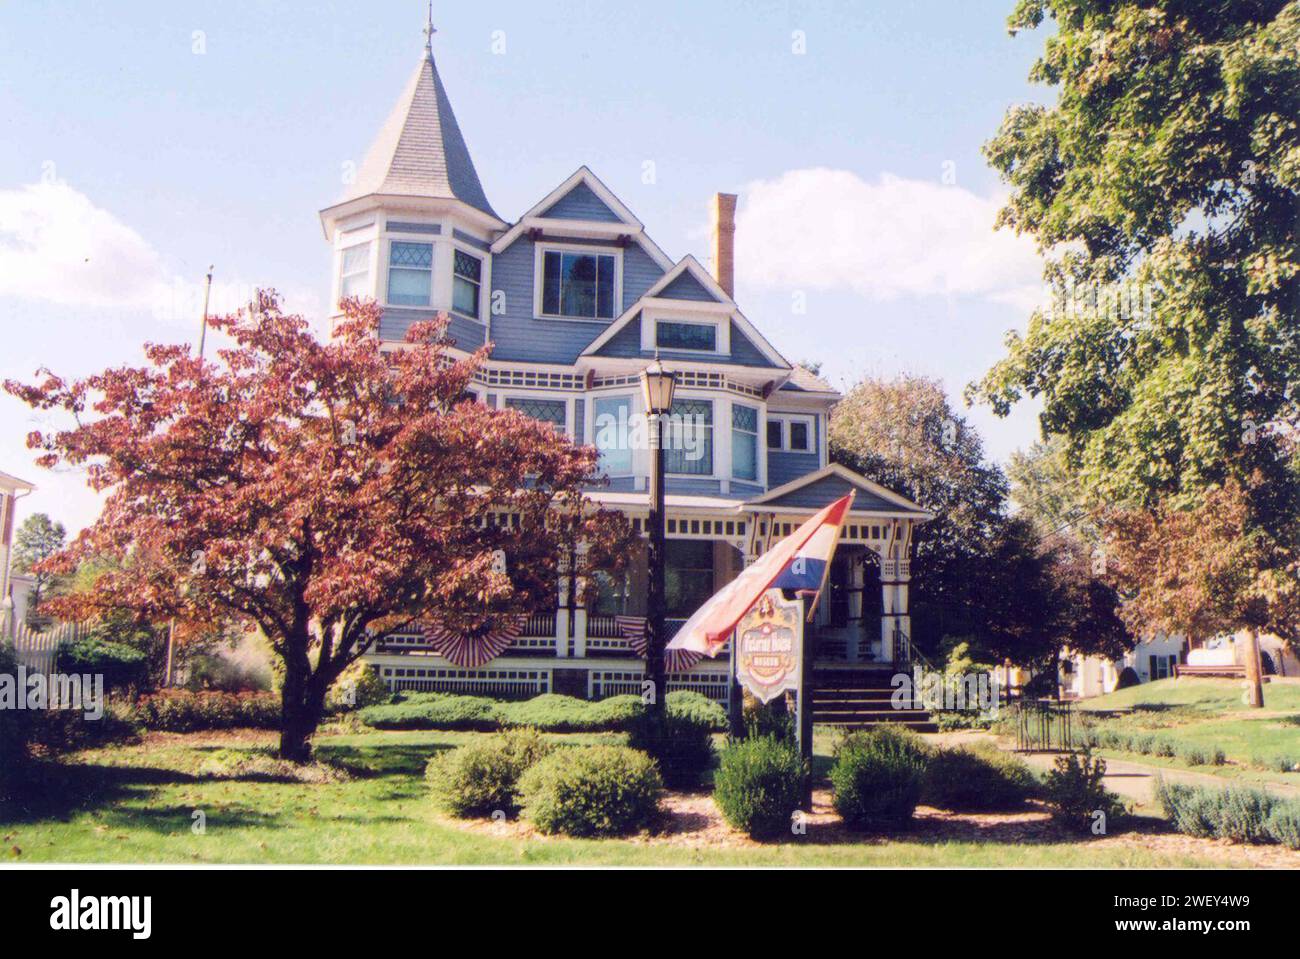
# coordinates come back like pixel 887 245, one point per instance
pixel 579 285
pixel 410 273
pixel 466 283
pixel 677 335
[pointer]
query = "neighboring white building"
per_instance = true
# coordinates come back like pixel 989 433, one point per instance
pixel 1155 658
pixel 11 490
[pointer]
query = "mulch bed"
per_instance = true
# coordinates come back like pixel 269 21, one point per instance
pixel 691 820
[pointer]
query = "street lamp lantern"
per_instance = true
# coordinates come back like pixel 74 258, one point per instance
pixel 657 385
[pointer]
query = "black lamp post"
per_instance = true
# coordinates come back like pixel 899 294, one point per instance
pixel 657 386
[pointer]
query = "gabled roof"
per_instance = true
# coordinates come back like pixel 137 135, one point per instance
pixel 655 297
pixel 619 222
pixel 420 150
pixel 831 482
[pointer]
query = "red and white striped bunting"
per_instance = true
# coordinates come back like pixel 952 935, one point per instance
pixel 633 629
pixel 470 652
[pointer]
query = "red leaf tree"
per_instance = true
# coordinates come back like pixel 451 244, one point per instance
pixel 320 492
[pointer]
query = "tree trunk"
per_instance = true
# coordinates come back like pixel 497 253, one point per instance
pixel 297 720
pixel 1254 681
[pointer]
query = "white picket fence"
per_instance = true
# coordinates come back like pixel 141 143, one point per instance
pixel 39 649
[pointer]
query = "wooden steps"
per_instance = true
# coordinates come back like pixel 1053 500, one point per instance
pixel 862 699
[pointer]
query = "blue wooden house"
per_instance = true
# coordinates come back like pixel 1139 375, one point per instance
pixel 576 299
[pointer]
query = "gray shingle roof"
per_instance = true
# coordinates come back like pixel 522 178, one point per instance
pixel 420 150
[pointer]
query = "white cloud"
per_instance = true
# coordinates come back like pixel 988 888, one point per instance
pixel 57 246
pixel 821 229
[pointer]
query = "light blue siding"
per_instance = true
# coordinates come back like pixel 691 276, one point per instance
pixel 627 343
pixel 831 488
pixel 521 336
pixel 581 203
pixel 465 334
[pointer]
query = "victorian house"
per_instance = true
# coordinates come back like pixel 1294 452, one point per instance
pixel 577 299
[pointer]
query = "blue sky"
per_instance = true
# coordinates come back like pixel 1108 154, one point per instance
pixel 144 141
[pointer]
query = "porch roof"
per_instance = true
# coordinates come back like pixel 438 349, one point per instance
pixel 815 490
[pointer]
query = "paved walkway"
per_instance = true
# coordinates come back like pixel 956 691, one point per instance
pixel 1131 780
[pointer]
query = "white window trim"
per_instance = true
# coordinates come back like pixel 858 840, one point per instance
pixel 541 248
pixel 760 430
pixel 484 278
pixel 721 327
pixel 785 419
pixel 589 427
pixel 432 242
pixel 370 268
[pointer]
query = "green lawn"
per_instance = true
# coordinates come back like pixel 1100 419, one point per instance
pixel 136 804
pixel 1211 714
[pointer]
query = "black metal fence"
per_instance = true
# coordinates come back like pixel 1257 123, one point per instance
pixel 1045 724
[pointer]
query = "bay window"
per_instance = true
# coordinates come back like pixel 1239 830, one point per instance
pixel 467 279
pixel 744 442
pixel 354 271
pixel 688 438
pixel 611 418
pixel 410 273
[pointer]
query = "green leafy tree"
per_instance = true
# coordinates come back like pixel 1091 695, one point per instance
pixel 904 434
pixel 1163 186
pixel 37 539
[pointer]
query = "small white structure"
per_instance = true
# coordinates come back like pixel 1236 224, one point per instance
pixel 1156 658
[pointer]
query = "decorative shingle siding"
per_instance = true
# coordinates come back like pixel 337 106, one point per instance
pixel 581 203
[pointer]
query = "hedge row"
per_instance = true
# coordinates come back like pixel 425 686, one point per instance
pixel 1151 744
pixel 549 712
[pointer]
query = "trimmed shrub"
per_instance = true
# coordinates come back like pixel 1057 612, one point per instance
pixel 878 778
pixel 181 711
pixel 759 785
pixel 357 687
pixel 60 730
pixel 1194 756
pixel 1234 813
pixel 680 742
pixel 1075 794
pixel 1128 678
pixel 592 791
pixel 687 702
pixel 977 777
pixel 122 666
pixel 434 711
pixel 567 714
pixel 482 777
pixel 767 719
pixel 1283 824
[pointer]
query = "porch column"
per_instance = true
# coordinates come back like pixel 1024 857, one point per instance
pixel 895 576
pixel 580 608
pixel 857 582
pixel 562 612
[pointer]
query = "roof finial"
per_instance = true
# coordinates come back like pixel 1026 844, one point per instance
pixel 429 31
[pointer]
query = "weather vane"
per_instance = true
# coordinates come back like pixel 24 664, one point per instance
pixel 429 30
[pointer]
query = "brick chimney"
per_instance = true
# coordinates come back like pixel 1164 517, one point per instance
pixel 724 242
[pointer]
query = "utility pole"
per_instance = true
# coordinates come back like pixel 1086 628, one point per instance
pixel 203 324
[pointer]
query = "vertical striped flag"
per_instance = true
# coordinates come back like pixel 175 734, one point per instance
pixel 708 630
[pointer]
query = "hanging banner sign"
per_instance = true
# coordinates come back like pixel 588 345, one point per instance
pixel 769 646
